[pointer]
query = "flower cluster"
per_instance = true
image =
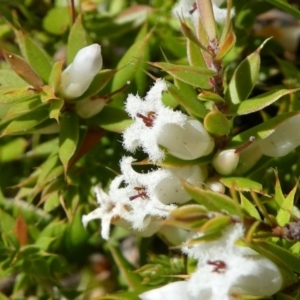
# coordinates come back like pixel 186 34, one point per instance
pixel 140 201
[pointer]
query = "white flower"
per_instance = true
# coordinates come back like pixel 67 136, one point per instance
pixel 188 9
pixel 77 77
pixel 133 205
pixel 107 212
pixel 224 271
pixel 156 124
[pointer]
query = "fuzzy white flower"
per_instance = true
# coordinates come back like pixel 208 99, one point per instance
pixel 131 201
pixel 77 77
pixel 188 9
pixel 157 125
pixel 224 271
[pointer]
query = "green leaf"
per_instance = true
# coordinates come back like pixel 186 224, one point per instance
pixel 284 5
pixel 77 39
pixel 285 211
pixel 55 108
pixel 68 137
pixel 22 124
pixel 21 108
pixel 291 261
pixel 131 64
pixel 216 123
pixel 213 201
pixel 195 56
pixel 187 97
pixel 13 150
pixel 37 58
pixel 195 76
pixel 57 20
pixel 23 69
pixel 258 103
pixel 242 184
pixel 10 78
pixel 279 197
pixel 111 119
pixel 55 75
pixel 9 94
pixel 244 78
pixel 249 207
pixel 217 223
pixel 132 279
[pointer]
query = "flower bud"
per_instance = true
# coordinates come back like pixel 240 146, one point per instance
pixel 77 77
pixel 188 142
pixel 226 161
pixel 284 139
pixel 87 108
pixel 170 190
pixel 215 185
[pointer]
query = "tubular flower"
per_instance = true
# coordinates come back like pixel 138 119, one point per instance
pixel 224 271
pixel 77 77
pixel 156 125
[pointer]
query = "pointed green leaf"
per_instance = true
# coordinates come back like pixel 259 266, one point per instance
pixel 55 108
pixel 77 39
pixel 23 124
pixel 9 94
pixel 285 211
pixel 194 54
pixel 244 78
pixel 291 261
pixel 249 207
pixel 187 97
pixel 55 75
pixel 279 197
pixel 68 137
pixel 195 76
pixel 37 58
pixel 242 184
pixel 49 170
pixel 22 107
pixel 209 96
pixel 258 103
pixel 212 201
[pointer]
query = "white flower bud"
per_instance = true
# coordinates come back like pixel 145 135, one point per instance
pixel 284 139
pixel 87 108
pixel 77 77
pixel 226 161
pixel 170 190
pixel 188 142
pixel 215 185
